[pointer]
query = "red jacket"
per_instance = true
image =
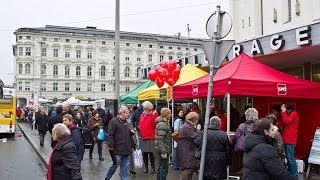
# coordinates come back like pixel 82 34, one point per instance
pixel 290 130
pixel 147 125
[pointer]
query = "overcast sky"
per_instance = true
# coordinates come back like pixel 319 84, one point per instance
pixel 149 16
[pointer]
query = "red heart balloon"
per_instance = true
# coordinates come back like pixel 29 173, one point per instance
pixel 160 82
pixel 170 82
pixel 157 68
pixel 176 71
pixel 162 73
pixel 172 64
pixel 164 64
pixel 152 75
pixel 175 77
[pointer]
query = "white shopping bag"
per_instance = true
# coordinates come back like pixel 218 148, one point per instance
pixel 137 157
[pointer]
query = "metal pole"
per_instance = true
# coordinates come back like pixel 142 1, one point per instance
pixel 213 70
pixel 189 54
pixel 40 78
pixel 117 52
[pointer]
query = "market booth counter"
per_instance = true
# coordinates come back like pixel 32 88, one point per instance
pixel 244 76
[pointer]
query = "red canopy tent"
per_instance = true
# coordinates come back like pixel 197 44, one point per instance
pixel 245 76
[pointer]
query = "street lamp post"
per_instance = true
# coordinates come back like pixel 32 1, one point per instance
pixel 40 78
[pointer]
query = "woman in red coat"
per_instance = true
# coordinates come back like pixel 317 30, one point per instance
pixel 147 126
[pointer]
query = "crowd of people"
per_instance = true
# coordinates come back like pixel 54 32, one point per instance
pixel 262 144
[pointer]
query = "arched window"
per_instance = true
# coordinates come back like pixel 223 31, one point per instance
pixel 20 68
pixel 114 71
pixel 78 71
pixel 103 71
pixel 126 72
pixel 138 71
pixel 55 70
pixel 67 70
pixel 43 69
pixel 89 71
pixel 28 68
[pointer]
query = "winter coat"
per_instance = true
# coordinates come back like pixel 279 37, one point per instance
pixel 163 136
pixel 80 122
pixel 260 160
pixel 94 129
pixel 147 125
pixel 119 138
pixel 243 130
pixel 218 153
pixel 52 121
pixel 186 147
pixel 136 117
pixel 77 140
pixel 279 145
pixel 105 121
pixel 65 164
pixel 42 121
pixel 101 112
pixel 290 131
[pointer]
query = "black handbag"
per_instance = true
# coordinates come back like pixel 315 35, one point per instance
pixel 197 155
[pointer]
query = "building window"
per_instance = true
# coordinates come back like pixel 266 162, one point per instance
pixel 43 52
pixel 89 71
pixel 127 88
pixel 138 72
pixel 195 49
pixel 67 70
pixel 28 37
pixel 178 57
pixel 67 40
pixel 103 71
pixel 43 86
pixel 55 70
pixel 242 23
pixel 103 87
pixel 28 51
pixel 170 57
pixel 20 51
pixel 161 58
pixel 19 37
pixel 78 41
pixel 126 72
pixel 55 39
pixel 67 53
pixel 89 87
pixel 161 47
pixel 20 86
pixel 114 58
pixel 89 42
pixel 20 68
pixel 43 69
pixel 55 86
pixel 114 71
pixel 249 22
pixel 89 55
pixel 103 43
pixel 66 86
pixel 139 45
pixel 127 58
pixel 78 54
pixel 127 44
pixel 150 57
pixel 28 68
pixel 138 58
pixel 78 71
pixel 179 48
pixel 55 52
pixel 27 86
pixel 150 46
pixel 170 47
pixel 187 49
pixel 44 39
pixel 78 87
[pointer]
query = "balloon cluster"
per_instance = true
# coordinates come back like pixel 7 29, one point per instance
pixel 167 71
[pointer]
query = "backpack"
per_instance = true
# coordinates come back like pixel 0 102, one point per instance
pixel 87 137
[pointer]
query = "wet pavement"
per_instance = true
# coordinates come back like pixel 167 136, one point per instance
pixel 90 169
pixel 18 160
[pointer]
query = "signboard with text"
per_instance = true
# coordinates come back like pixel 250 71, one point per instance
pixel 314 157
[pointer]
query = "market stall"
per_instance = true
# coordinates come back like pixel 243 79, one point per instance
pixel 132 96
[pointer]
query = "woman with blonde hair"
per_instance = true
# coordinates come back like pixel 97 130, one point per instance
pixel 147 127
pixel 63 162
pixel 186 148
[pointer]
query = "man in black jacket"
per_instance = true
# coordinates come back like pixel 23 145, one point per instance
pixel 58 118
pixel 119 142
pixel 42 122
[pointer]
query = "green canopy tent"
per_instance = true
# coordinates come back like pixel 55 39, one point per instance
pixel 132 96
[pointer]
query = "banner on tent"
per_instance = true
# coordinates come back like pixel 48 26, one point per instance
pixel 163 93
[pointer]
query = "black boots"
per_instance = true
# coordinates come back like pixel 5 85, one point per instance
pixel 153 170
pixel 145 161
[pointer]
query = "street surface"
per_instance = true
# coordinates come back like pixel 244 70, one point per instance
pixel 18 160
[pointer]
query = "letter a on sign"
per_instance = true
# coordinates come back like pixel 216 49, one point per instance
pixel 195 90
pixel 282 89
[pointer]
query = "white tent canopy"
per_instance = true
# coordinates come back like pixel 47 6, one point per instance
pixel 74 101
pixel 41 100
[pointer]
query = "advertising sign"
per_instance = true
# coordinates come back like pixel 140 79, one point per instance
pixel 314 157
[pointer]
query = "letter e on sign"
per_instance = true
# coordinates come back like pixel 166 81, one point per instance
pixel 282 89
pixel 195 90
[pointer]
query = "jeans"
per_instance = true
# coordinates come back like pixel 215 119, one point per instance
pixel 99 143
pixel 41 135
pixel 123 162
pixel 292 165
pixel 174 159
pixel 163 166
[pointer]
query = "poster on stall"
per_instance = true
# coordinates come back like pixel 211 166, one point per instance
pixel 314 157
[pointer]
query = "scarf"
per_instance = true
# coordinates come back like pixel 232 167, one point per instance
pixel 49 173
pixel 71 126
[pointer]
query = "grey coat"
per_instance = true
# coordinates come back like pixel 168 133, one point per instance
pixel 163 136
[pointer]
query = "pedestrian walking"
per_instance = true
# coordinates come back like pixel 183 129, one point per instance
pixel 75 136
pixel 218 152
pixel 57 118
pixel 163 142
pixel 178 123
pixel 106 119
pixel 147 127
pixel 42 122
pixel 95 123
pixel 119 143
pixel 63 162
pixel 80 121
